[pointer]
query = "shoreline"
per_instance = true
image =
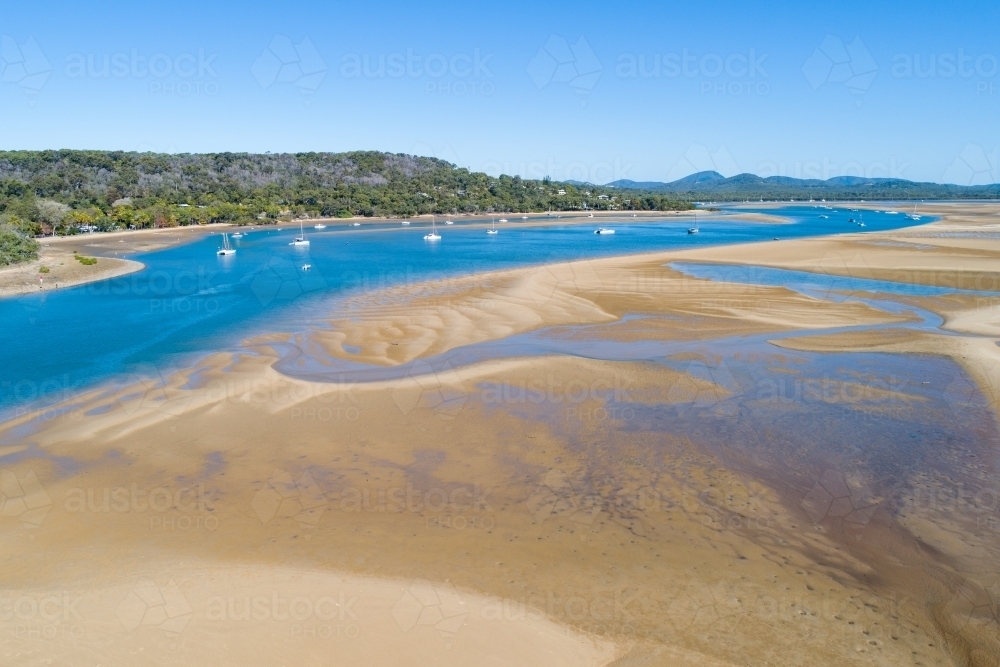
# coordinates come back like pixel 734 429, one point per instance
pixel 21 279
pixel 556 525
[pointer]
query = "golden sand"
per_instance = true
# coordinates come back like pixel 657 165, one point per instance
pixel 506 512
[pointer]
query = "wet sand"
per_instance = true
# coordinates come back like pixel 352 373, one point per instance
pixel 823 502
pixel 57 254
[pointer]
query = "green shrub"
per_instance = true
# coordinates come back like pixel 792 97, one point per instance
pixel 16 248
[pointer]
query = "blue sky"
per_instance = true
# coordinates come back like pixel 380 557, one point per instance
pixel 591 91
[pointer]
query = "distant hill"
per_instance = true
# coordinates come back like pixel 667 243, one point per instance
pixel 67 191
pixel 713 185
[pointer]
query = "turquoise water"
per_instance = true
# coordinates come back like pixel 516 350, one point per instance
pixel 824 285
pixel 188 301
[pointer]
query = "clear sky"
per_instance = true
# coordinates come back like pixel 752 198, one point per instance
pixel 588 91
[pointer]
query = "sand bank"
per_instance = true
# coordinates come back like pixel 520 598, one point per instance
pixel 614 535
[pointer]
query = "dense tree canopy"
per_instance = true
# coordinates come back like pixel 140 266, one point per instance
pixel 66 191
pixel 16 247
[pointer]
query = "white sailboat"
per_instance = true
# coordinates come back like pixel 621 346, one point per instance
pixel 694 230
pixel 301 239
pixel 226 248
pixel 493 230
pixel 433 236
pixel 914 216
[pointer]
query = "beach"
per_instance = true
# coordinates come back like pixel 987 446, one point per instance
pixel 56 253
pixel 537 506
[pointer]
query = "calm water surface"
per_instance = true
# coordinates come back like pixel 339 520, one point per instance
pixel 188 301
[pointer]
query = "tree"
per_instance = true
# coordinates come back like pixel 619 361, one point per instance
pixel 16 248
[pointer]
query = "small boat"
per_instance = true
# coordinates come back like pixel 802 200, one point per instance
pixel 503 219
pixel 524 217
pixel 493 230
pixel 307 267
pixel 850 219
pixel 604 230
pixel 591 215
pixel 301 239
pixel 825 217
pixel 694 230
pixel 449 222
pixel 238 235
pixel 433 236
pixel 226 248
pixel 356 224
pixel 406 222
pixel 319 226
